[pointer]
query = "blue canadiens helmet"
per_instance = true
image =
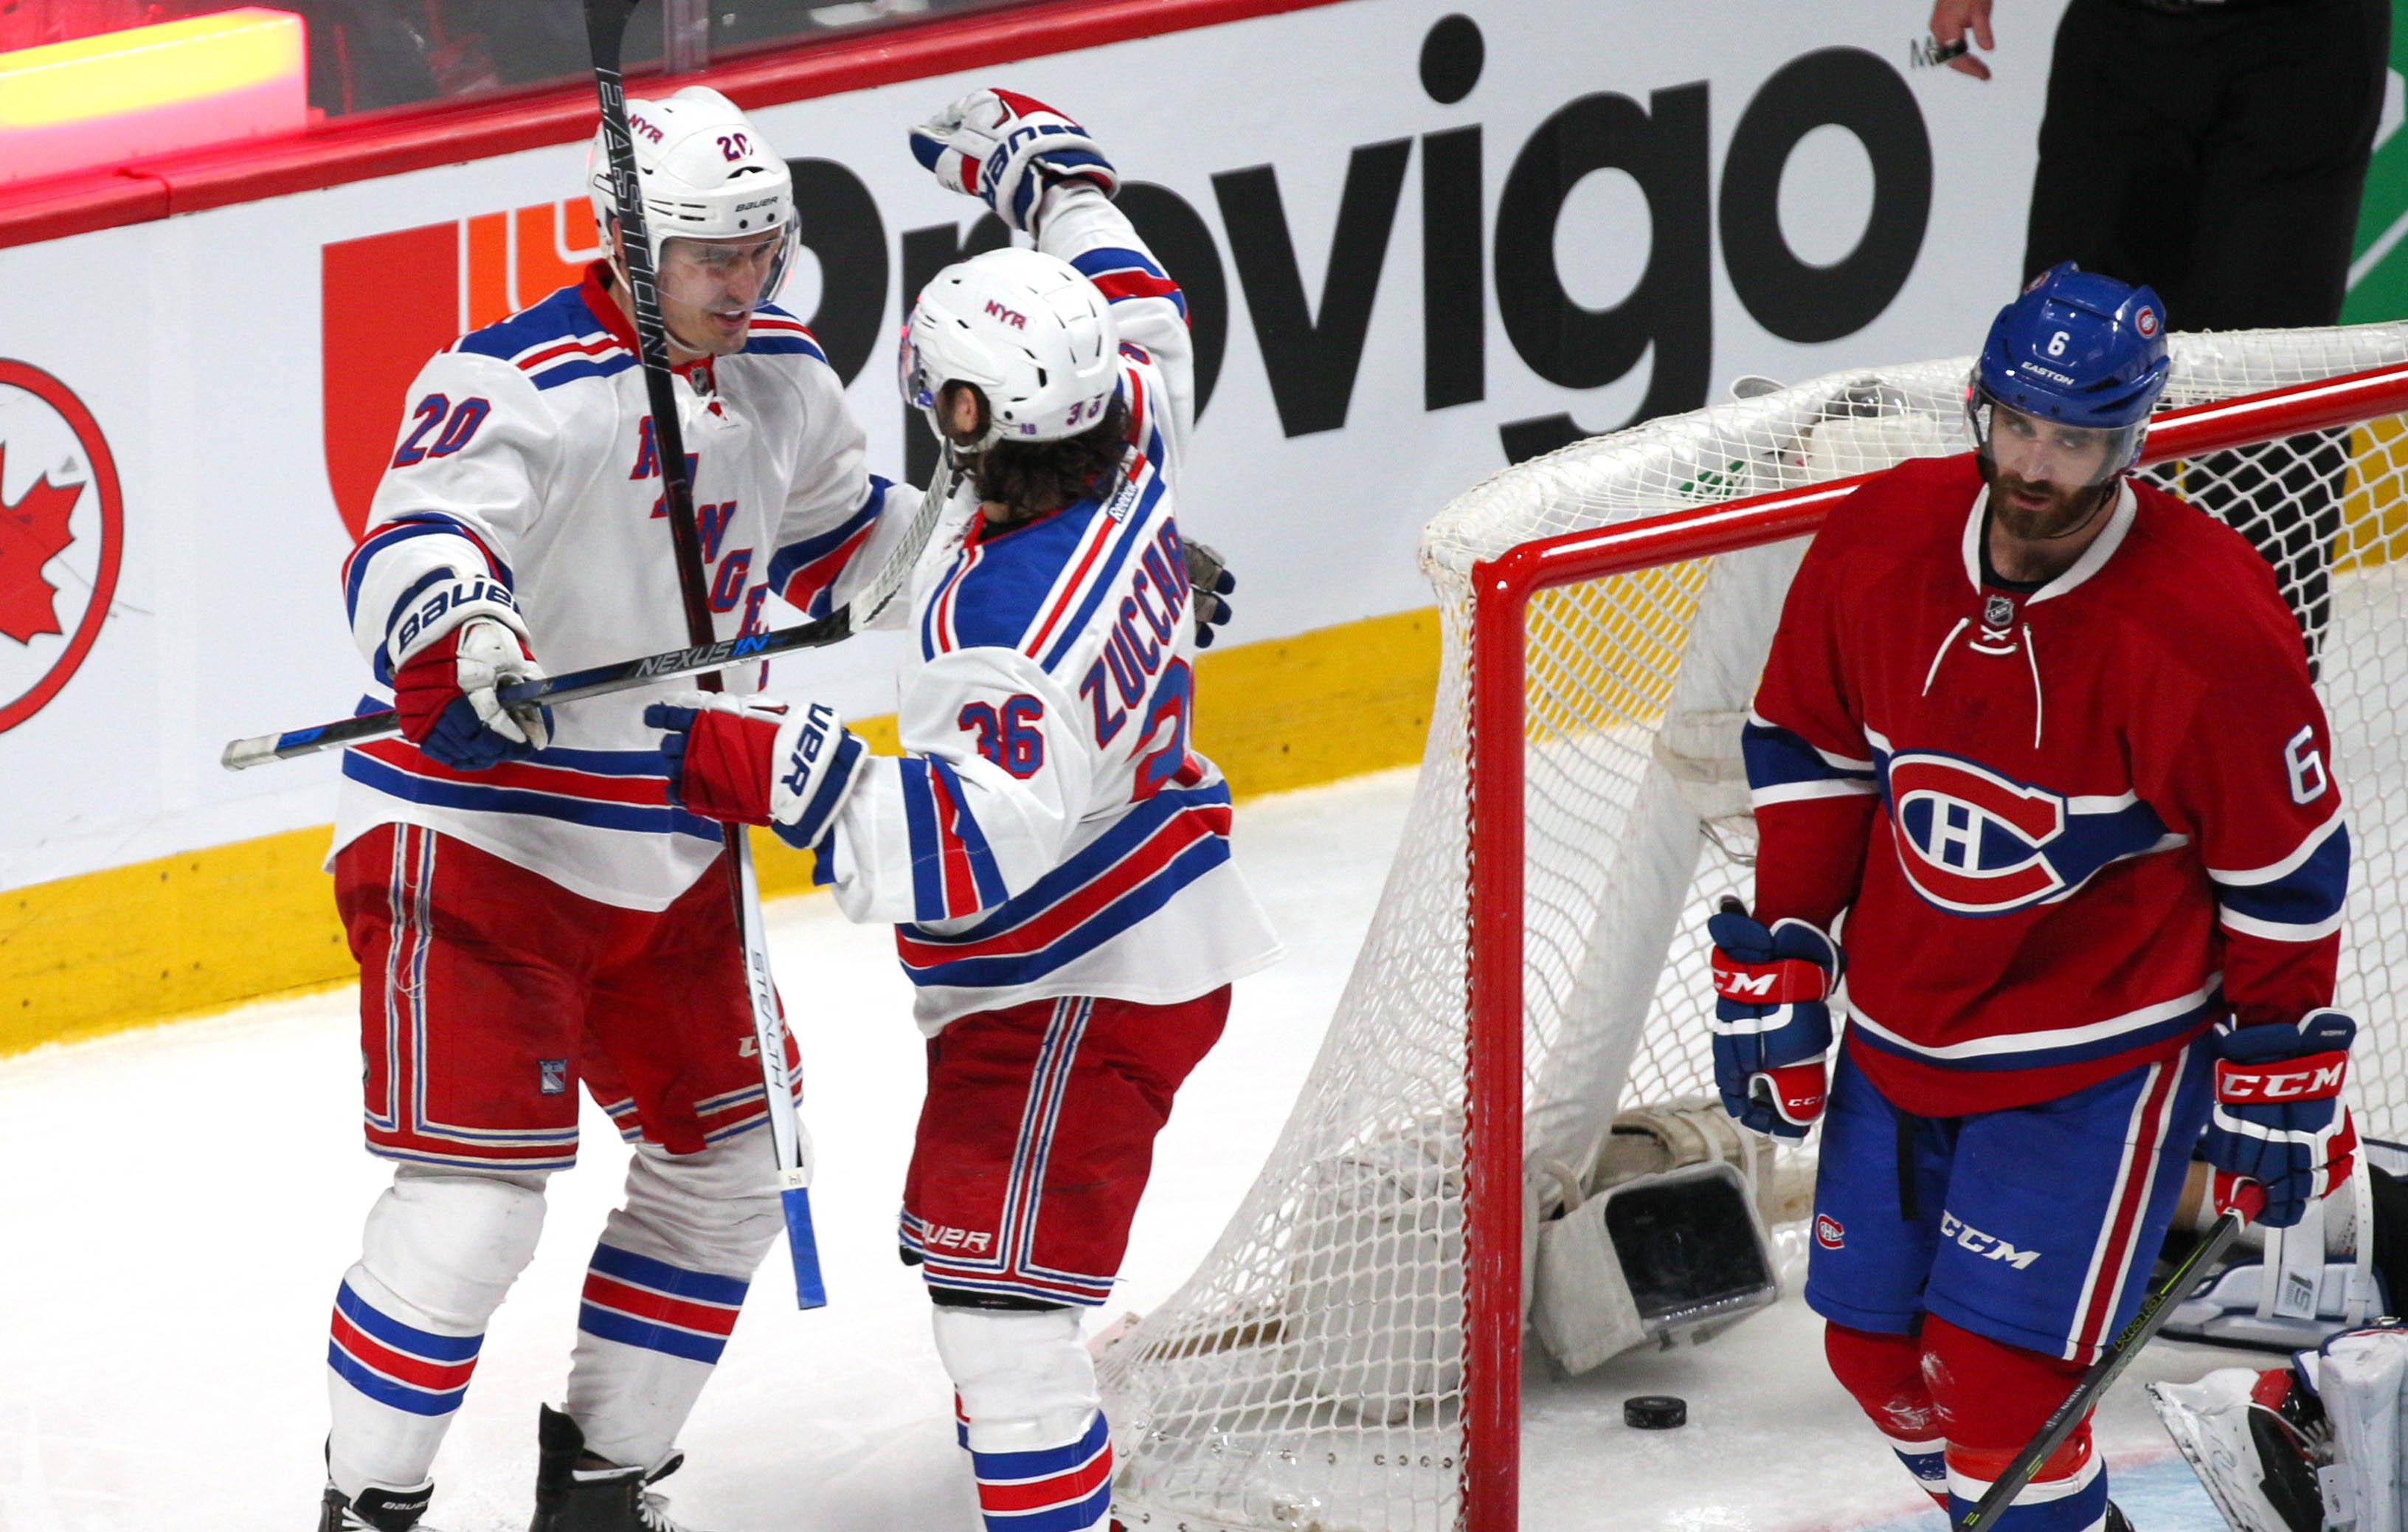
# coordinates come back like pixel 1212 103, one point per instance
pixel 2079 349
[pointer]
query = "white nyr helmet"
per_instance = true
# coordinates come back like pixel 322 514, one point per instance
pixel 1033 336
pixel 706 174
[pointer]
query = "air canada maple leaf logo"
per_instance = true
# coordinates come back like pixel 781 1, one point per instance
pixel 33 531
pixel 62 538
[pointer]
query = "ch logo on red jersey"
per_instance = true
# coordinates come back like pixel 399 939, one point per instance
pixel 1971 840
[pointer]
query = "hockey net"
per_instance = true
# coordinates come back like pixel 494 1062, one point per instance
pixel 1348 1357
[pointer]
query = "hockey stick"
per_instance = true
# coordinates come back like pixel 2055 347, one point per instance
pixel 2155 1310
pixel 606 23
pixel 618 675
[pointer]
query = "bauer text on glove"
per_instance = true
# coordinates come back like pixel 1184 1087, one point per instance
pixel 453 645
pixel 1006 149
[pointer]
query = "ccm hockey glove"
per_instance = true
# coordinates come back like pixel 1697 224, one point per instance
pixel 2279 1119
pixel 1005 148
pixel 750 760
pixel 1772 1020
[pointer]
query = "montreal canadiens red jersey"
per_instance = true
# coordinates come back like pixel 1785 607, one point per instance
pixel 2071 828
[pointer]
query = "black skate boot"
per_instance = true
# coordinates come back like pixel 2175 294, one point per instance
pixel 377 1509
pixel 595 1496
pixel 2117 1520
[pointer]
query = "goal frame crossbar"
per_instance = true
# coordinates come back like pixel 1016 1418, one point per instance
pixel 1502 589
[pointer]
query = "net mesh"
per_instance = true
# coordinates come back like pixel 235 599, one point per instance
pixel 1309 1374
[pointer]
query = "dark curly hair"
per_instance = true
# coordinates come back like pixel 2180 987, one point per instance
pixel 1035 477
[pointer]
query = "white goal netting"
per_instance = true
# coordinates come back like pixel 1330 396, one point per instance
pixel 1310 1376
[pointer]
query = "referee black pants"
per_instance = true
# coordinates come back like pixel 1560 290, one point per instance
pixel 2219 156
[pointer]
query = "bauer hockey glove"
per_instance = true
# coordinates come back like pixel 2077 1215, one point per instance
pixel 1772 1019
pixel 1005 148
pixel 748 761
pixel 444 696
pixel 1209 582
pixel 2279 1119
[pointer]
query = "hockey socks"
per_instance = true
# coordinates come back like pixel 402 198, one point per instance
pixel 393 1383
pixel 649 1335
pixel 1885 1374
pixel 2069 1494
pixel 1039 1446
pixel 662 1291
pixel 1052 1489
pixel 439 1251
pixel 1992 1399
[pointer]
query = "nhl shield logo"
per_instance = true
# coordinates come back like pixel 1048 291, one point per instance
pixel 61 537
pixel 1998 611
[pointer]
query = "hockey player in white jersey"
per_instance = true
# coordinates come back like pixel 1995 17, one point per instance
pixel 530 909
pixel 1054 856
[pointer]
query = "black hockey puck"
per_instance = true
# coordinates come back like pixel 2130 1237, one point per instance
pixel 1655 1411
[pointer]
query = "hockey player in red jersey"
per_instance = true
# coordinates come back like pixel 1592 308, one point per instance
pixel 530 910
pixel 1054 857
pixel 2037 767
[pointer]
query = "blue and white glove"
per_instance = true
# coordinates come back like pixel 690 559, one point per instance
pixel 1005 148
pixel 1209 582
pixel 1772 1019
pixel 452 647
pixel 2279 1119
pixel 753 760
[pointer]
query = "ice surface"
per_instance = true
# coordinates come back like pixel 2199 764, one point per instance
pixel 177 1205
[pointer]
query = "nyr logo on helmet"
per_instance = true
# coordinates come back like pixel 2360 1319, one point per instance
pixel 1971 840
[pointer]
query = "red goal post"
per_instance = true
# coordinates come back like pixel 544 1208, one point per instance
pixel 1503 588
pixel 1524 1029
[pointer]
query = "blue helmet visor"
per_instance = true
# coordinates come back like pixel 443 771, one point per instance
pixel 2037 450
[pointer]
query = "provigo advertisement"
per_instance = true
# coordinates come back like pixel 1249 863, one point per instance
pixel 1418 240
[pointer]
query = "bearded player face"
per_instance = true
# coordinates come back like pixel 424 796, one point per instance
pixel 2046 479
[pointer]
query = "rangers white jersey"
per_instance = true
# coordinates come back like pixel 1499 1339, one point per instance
pixel 1049 830
pixel 527 458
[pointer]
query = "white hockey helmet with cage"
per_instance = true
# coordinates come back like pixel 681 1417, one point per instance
pixel 1028 332
pixel 705 173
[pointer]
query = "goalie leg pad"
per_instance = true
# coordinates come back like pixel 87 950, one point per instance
pixel 2360 1377
pixel 1032 1417
pixel 2250 1463
pixel 662 1293
pixel 440 1253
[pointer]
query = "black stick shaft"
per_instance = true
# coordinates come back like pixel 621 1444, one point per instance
pixel 2155 1310
pixel 606 20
